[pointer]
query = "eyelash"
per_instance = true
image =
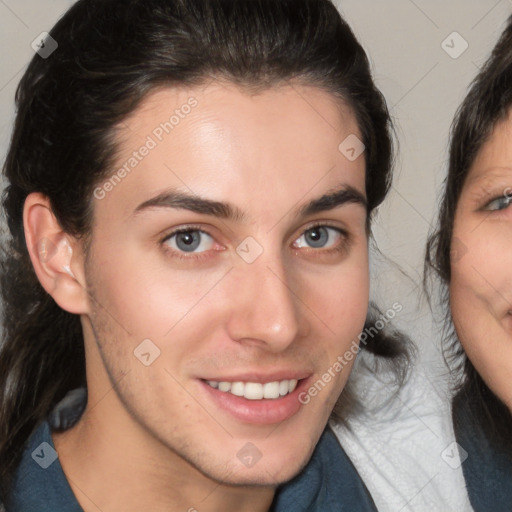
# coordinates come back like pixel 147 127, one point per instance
pixel 201 256
pixel 499 211
pixel 341 247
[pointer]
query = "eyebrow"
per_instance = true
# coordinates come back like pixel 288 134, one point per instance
pixel 193 203
pixel 331 200
pixel 224 210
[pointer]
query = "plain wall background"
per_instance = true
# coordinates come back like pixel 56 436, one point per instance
pixel 423 85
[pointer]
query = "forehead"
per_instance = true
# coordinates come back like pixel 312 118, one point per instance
pixel 221 141
pixel 494 160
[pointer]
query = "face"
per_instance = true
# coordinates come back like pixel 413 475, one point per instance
pixel 227 272
pixel 481 283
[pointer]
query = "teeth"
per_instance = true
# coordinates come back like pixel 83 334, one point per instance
pixel 253 391
pixel 271 390
pixel 256 390
pixel 225 386
pixel 237 388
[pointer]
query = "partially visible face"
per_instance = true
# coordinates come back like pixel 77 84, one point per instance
pixel 481 283
pixel 236 246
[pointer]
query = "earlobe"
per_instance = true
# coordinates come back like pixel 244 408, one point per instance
pixel 56 255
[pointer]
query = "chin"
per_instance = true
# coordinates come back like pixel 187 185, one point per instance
pixel 260 472
pixel 264 476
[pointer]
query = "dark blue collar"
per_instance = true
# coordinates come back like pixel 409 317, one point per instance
pixel 40 484
pixel 487 470
pixel 328 483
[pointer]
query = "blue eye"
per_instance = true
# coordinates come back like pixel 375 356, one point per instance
pixel 319 237
pixel 190 240
pixel 499 203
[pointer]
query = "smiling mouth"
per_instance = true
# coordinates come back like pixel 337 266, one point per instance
pixel 256 390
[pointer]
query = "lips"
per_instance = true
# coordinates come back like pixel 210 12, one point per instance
pixel 256 390
pixel 256 397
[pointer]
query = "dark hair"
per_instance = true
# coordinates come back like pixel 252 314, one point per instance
pixel 487 103
pixel 111 54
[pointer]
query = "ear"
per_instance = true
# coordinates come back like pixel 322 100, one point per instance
pixel 56 256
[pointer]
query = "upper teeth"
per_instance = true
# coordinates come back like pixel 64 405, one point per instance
pixel 256 390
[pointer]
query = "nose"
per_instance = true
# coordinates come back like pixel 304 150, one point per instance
pixel 265 310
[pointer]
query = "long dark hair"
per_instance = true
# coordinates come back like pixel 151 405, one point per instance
pixel 487 103
pixel 111 53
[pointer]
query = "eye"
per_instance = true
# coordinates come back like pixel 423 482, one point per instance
pixel 499 203
pixel 319 237
pixel 190 240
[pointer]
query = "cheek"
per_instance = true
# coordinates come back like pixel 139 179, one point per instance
pixel 340 298
pixel 470 293
pixel 145 296
pixel 353 289
pixel 480 295
pixel 481 267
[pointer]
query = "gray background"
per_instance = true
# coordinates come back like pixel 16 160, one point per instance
pixel 423 85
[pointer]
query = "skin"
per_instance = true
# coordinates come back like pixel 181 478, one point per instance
pixel 481 283
pixel 152 436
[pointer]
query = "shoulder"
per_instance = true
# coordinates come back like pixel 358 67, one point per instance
pixel 328 483
pixel 39 482
pixel 403 445
pixel 487 467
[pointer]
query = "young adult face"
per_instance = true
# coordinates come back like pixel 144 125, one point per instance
pixel 481 266
pixel 250 267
